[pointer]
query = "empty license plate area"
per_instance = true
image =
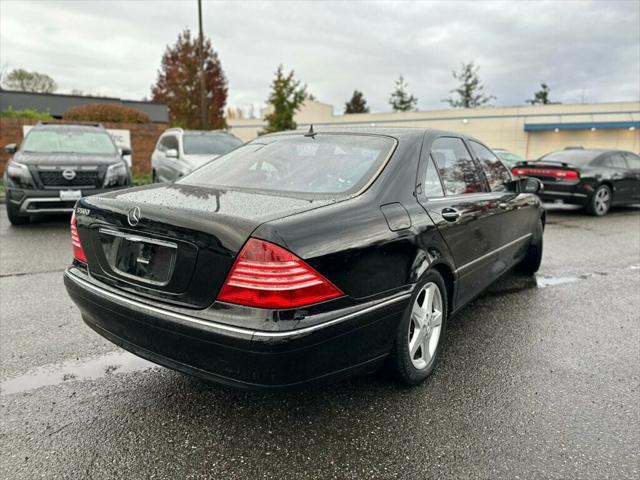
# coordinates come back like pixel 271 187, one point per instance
pixel 148 260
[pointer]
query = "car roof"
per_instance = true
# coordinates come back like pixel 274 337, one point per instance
pixel 68 126
pixel 395 132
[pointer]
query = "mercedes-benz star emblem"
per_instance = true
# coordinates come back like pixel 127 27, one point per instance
pixel 68 174
pixel 134 216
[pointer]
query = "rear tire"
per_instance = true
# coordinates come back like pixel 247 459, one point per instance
pixel 420 335
pixel 600 201
pixel 14 217
pixel 530 264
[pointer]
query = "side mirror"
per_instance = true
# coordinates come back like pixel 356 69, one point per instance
pixel 125 151
pixel 530 185
pixel 525 185
pixel 171 153
pixel 11 148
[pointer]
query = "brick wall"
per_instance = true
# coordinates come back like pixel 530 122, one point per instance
pixel 143 140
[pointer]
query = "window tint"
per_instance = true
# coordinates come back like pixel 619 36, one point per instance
pixel 616 160
pixel 432 185
pixel 324 164
pixel 495 171
pixel 458 171
pixel 633 160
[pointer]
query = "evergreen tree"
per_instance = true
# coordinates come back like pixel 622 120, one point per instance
pixel 470 93
pixel 357 104
pixel 400 100
pixel 287 95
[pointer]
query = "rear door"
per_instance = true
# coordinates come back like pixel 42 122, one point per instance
pixel 519 211
pixel 465 212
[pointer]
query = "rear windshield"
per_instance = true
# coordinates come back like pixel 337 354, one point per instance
pixel 209 144
pixel 324 164
pixel 575 157
pixel 68 141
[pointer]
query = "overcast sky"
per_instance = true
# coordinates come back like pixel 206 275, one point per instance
pixel 585 50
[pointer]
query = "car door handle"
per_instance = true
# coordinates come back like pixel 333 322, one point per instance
pixel 503 206
pixel 450 214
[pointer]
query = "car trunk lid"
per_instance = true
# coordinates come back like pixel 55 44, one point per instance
pixel 175 243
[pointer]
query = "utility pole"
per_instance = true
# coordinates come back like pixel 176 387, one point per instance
pixel 203 110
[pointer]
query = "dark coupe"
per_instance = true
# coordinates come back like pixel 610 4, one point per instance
pixel 594 179
pixel 304 257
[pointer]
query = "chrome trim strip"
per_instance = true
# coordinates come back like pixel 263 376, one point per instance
pixel 137 238
pixel 549 193
pixel 228 328
pixel 493 252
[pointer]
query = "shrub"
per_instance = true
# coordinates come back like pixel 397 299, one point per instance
pixel 106 112
pixel 25 114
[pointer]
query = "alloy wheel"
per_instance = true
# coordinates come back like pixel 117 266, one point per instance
pixel 602 200
pixel 425 326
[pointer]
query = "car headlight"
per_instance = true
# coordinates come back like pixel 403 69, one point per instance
pixel 117 175
pixel 20 175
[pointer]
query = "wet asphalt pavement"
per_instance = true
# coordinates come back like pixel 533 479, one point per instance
pixel 540 379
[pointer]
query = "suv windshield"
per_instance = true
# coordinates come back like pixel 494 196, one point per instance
pixel 325 164
pixel 209 144
pixel 68 141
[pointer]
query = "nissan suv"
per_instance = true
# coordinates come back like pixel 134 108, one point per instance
pixel 179 151
pixel 57 164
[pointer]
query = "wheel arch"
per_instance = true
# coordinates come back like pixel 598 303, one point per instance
pixel 446 272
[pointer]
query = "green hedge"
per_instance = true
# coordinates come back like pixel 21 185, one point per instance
pixel 25 114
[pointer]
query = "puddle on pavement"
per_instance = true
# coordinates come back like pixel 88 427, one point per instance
pixel 112 363
pixel 515 284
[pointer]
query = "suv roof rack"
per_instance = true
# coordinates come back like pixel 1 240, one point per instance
pixel 97 125
pixel 578 147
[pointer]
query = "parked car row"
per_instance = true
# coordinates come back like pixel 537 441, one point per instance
pixel 57 164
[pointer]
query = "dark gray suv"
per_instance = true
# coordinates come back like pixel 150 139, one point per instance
pixel 57 164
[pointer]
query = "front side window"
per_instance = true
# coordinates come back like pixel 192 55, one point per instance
pixel 457 169
pixel 325 164
pixel 616 160
pixel 69 141
pixel 209 144
pixel 170 143
pixel 495 171
pixel 633 160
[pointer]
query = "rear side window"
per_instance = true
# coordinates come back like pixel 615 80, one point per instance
pixel 616 160
pixel 495 171
pixel 432 185
pixel 457 169
pixel 326 164
pixel 209 144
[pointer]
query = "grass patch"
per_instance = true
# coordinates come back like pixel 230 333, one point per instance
pixel 1 185
pixel 139 180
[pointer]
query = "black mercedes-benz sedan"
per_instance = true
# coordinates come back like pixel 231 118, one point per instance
pixel 304 257
pixel 56 164
pixel 595 179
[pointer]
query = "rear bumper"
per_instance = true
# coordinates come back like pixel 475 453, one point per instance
pixel 572 193
pixel 34 201
pixel 234 356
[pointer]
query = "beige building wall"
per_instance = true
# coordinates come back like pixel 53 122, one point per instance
pixel 497 127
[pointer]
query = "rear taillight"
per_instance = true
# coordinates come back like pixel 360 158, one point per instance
pixel 546 172
pixel 267 276
pixel 78 251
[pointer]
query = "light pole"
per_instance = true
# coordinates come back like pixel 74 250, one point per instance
pixel 203 110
